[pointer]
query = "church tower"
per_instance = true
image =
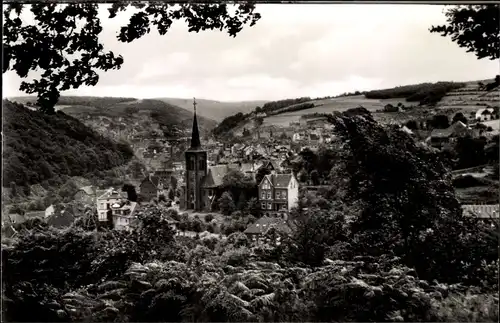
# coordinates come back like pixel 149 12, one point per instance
pixel 196 168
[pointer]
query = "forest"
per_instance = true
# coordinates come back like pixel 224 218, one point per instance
pixel 424 93
pixel 39 147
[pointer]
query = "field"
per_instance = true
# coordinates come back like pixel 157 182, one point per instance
pixel 329 106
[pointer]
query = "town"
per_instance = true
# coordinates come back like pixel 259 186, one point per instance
pixel 250 162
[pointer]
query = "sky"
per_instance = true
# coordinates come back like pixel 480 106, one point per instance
pixel 294 50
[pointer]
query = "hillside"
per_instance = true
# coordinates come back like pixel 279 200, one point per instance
pixel 123 118
pixel 215 110
pixel 40 147
pixel 425 95
pixel 471 97
pixel 66 101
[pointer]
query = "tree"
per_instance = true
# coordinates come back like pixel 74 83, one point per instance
pixel 470 152
pixel 72 30
pixel 171 194
pixel 459 117
pixel 236 182
pixel 387 174
pixel 261 173
pixel 316 230
pixel 474 27
pixel 302 177
pixel 246 132
pixel 315 177
pixel 131 192
pixel 13 189
pixel 412 125
pixel 253 207
pixel 242 201
pixel 173 182
pixel 226 204
pixel 440 121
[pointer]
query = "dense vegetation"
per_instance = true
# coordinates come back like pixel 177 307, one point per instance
pixel 229 123
pixel 424 93
pixel 40 147
pixel 275 106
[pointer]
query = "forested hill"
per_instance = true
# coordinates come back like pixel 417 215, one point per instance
pixel 40 147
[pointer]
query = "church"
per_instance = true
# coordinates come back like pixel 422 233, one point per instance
pixel 201 183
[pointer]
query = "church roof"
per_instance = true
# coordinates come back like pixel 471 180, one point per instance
pixel 195 132
pixel 216 174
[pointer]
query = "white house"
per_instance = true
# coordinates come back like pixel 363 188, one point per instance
pixel 105 201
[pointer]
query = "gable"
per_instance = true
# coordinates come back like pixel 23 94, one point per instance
pixel 266 180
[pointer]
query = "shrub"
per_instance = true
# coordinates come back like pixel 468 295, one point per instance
pixel 209 217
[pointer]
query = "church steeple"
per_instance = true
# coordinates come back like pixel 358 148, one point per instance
pixel 195 133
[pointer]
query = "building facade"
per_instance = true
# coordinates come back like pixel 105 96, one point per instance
pixel 278 194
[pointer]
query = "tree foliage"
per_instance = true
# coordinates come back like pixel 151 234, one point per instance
pixel 226 203
pixel 63 41
pixel 408 203
pixel 473 27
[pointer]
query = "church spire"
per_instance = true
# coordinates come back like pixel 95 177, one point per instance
pixel 195 133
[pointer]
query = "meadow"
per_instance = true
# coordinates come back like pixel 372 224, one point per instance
pixel 330 105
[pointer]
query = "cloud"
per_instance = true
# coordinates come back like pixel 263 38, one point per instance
pixel 294 50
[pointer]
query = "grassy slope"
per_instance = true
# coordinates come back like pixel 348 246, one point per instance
pixel 215 110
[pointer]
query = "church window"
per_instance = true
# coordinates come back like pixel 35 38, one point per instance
pixel 191 164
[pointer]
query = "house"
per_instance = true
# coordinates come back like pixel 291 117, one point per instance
pixel 123 215
pixel 481 211
pixel 151 187
pixel 278 194
pixel 441 137
pixel 262 134
pixel 484 114
pixel 85 194
pixel 298 136
pixel 105 201
pixel 314 139
pixel 257 230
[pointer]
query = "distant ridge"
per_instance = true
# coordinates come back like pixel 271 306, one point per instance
pixel 213 109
